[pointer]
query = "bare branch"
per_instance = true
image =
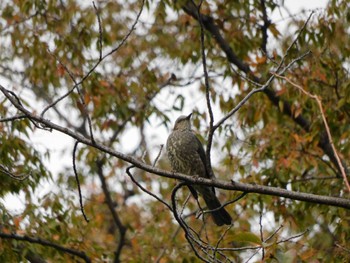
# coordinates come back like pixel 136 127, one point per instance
pixel 20 177
pixel 16 23
pixel 78 183
pixel 293 237
pixel 295 40
pixel 159 153
pixel 14 118
pixel 261 230
pixel 99 30
pixel 343 248
pixel 144 189
pixel 225 204
pixel 47 243
pixel 260 89
pixel 76 86
pixel 237 186
pixel 188 235
pixel 264 27
pixel 273 234
pixel 128 34
pixel 207 92
pixel 221 238
pixel 101 58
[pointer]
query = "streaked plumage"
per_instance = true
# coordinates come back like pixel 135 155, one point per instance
pixel 187 156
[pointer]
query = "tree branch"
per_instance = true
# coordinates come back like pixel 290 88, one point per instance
pixel 144 189
pixel 122 229
pixel 207 93
pixel 264 27
pixel 178 218
pixel 47 243
pixel 249 188
pixel 213 29
pixel 78 182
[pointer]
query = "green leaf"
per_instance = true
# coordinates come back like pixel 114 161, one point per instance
pixel 247 237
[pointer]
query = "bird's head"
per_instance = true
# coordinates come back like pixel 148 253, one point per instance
pixel 183 123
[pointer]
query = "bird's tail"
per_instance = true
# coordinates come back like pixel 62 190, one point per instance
pixel 220 216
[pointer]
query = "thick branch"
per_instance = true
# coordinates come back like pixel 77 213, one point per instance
pixel 249 188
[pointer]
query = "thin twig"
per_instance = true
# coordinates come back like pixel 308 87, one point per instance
pixel 161 254
pixel 78 183
pixel 255 252
pixel 294 41
pixel 16 23
pixel 273 234
pixel 246 78
pixel 292 237
pixel 99 30
pixel 47 243
pixel 220 239
pixel 92 69
pixel 128 34
pixel 20 177
pixel 13 118
pixel 261 229
pixel 181 222
pixel 225 204
pixel 343 248
pixel 207 91
pixel 159 153
pixel 81 97
pixel 144 189
pixel 260 89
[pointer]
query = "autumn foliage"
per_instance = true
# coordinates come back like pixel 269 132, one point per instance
pixel 270 97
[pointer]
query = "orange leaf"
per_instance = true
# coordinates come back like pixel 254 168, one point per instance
pixel 261 60
pixel 281 91
pixel 17 221
pixel 104 83
pixel 60 70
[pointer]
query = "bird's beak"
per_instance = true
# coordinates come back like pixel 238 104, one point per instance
pixel 189 116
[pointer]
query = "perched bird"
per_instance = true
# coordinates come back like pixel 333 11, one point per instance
pixel 187 156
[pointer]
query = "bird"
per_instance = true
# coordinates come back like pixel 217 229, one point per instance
pixel 186 155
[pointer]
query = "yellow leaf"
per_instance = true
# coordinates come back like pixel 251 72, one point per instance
pixel 274 30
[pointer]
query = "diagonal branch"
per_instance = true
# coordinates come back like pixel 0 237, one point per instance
pixel 101 58
pixel 47 243
pixel 20 177
pixel 249 188
pixel 144 189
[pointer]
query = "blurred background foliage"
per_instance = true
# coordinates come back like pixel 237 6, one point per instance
pixel 132 98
